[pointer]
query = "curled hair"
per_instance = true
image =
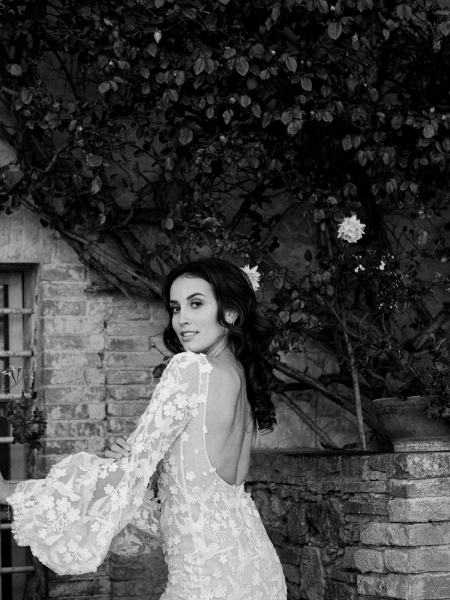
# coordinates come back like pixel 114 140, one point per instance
pixel 249 336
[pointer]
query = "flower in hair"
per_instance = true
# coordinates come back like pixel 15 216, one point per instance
pixel 252 275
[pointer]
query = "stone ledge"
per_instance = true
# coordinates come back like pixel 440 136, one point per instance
pixel 420 465
pixel 425 586
pixel 406 534
pixel 407 488
pixel 419 510
pixel 294 466
pixel 418 560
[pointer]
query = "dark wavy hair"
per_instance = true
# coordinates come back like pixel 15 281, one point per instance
pixel 249 336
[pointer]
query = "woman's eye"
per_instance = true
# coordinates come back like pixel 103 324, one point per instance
pixel 196 304
pixel 175 309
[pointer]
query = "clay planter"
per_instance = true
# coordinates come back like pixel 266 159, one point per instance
pixel 409 428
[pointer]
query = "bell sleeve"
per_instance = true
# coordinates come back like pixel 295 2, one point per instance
pixel 70 518
pixel 141 535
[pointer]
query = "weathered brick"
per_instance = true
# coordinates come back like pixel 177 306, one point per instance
pixel 372 585
pixel 95 597
pixel 65 360
pixel 51 308
pixel 348 486
pixel 60 376
pixel 127 328
pixel 130 392
pixel 103 570
pixel 369 560
pixel 426 586
pixel 95 411
pixel 297 527
pixel 63 290
pixel 337 590
pixel 404 488
pixel 133 359
pixel 419 510
pixel 128 589
pixel 120 425
pixel 352 468
pixel 95 342
pixel 312 573
pixel 378 465
pixel 131 311
pixel 84 343
pixel 90 444
pixel 418 560
pixel 72 376
pixel 60 325
pixel 344 576
pixel 74 429
pixel 73 394
pixel 406 534
pixel 97 307
pixel 63 272
pixel 373 505
pixel 348 560
pixel 152 569
pixel 83 587
pixel 137 343
pixel 94 376
pixel 420 465
pixel 158 313
pixel 128 376
pixel 126 409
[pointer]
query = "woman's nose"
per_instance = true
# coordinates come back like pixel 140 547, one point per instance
pixel 182 316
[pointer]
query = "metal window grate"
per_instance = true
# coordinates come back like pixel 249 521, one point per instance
pixel 15 336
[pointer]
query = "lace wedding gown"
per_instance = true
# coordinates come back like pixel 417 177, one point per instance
pixel 213 539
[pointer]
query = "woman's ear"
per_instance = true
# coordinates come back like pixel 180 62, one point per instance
pixel 230 317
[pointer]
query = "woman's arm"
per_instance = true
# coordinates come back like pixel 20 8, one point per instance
pixel 70 518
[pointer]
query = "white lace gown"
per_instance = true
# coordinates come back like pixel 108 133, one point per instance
pixel 212 536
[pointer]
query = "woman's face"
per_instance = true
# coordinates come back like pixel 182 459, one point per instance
pixel 195 314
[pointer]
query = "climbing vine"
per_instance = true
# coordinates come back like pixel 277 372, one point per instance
pixel 148 131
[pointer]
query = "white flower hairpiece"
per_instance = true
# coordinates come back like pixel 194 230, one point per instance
pixel 252 275
pixel 351 229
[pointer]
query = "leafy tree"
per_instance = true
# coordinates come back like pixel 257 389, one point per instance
pixel 146 131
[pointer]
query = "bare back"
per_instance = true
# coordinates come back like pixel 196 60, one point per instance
pixel 230 428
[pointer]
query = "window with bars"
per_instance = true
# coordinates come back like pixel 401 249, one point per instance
pixel 16 314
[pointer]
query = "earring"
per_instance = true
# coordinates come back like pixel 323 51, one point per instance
pixel 230 317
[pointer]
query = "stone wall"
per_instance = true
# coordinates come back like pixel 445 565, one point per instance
pixel 363 527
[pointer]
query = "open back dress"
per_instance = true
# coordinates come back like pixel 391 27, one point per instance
pixel 214 542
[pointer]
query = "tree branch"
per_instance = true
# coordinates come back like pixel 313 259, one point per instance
pixel 308 421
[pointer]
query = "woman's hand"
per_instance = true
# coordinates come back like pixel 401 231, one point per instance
pixel 119 449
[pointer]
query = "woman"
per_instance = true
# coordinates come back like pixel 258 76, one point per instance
pixel 200 423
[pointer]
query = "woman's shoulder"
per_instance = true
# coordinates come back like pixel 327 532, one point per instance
pixel 222 374
pixel 183 360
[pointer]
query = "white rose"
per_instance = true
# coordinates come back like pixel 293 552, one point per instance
pixel 351 229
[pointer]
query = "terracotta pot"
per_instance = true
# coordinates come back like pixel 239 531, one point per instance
pixel 409 428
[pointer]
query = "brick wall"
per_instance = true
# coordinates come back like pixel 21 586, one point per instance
pixel 93 360
pixel 358 527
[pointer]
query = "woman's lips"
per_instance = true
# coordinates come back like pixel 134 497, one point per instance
pixel 187 335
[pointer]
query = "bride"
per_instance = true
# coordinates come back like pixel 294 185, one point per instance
pixel 200 423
